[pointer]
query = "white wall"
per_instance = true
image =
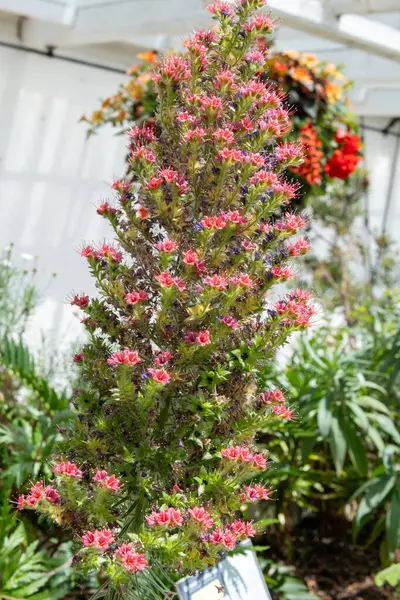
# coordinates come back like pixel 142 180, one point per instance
pixel 51 176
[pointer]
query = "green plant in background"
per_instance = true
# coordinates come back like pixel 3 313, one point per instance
pixel 34 558
pixel 342 458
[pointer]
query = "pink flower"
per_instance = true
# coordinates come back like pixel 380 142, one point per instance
pixel 105 209
pixel 216 537
pixel 160 376
pixel 80 301
pixel 133 562
pixel 245 455
pixel 224 135
pixel 230 155
pixel 100 476
pixel 88 252
pixel 103 538
pixel 135 297
pixel 175 517
pixel 231 453
pixel 165 279
pixel 282 411
pixel 273 397
pixel 100 539
pixel 238 528
pixel 52 495
pixel 163 358
pixel 229 540
pixel 21 502
pixel 124 549
pixel 107 482
pixel 203 337
pixel 299 247
pixel 190 257
pixel 248 246
pixel 250 531
pixel 259 462
pixel 167 246
pixel 282 273
pixel 217 222
pixel 69 469
pixel 216 281
pixel 154 183
pixel 127 357
pixel 179 284
pixel 245 280
pixel 190 337
pixel 200 515
pixel 223 9
pixel 170 517
pixel 108 251
pixel 88 538
pixel 258 492
pixel 230 322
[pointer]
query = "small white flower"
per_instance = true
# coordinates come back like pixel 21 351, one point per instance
pixel 26 256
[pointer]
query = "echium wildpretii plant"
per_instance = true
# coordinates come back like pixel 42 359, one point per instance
pixel 162 453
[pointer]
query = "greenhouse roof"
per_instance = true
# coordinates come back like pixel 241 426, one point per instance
pixel 364 35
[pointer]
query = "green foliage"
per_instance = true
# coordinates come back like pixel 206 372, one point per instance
pixel 390 575
pixel 282 582
pixel 346 447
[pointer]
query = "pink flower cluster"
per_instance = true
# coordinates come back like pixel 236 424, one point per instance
pixel 170 517
pixel 223 219
pixel 202 337
pixel 104 251
pixel 109 482
pixel 100 539
pixel 232 534
pixel 126 357
pixel 273 397
pixel 135 297
pixel 166 280
pixel 242 454
pixel 255 493
pixel 297 308
pixel 69 469
pixel 37 493
pixel 131 560
pixel 160 376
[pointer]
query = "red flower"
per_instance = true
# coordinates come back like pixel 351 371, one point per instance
pixel 341 165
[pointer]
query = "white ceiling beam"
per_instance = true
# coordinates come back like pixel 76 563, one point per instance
pixel 45 10
pixel 353 31
pixel 340 7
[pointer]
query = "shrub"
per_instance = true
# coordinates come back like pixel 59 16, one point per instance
pixel 161 458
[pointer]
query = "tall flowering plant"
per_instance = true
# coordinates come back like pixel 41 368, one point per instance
pixel 162 455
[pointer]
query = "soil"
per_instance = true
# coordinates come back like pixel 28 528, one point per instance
pixel 332 567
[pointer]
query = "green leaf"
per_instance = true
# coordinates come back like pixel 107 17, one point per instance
pixel 393 523
pixel 376 494
pixel 324 417
pixel 361 418
pixel 357 451
pixel 338 442
pixel 370 402
pixel 391 575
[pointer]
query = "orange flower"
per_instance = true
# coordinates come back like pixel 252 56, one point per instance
pixel 148 57
pixel 333 92
pixel 302 75
pixel 97 116
pixel 311 169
